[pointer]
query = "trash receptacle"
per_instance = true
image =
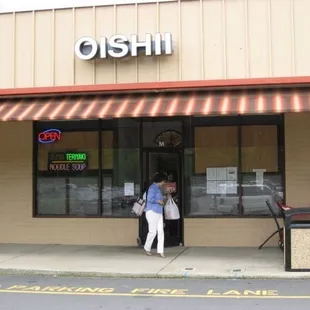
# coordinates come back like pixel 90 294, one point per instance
pixel 297 240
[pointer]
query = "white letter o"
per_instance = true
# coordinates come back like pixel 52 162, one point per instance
pixel 86 41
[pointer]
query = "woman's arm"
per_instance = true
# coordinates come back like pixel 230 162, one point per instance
pixel 154 196
pixel 159 197
pixel 151 196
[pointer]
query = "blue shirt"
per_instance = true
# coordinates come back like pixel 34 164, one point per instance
pixel 153 195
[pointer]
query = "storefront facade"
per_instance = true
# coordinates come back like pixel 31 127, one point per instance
pixel 81 139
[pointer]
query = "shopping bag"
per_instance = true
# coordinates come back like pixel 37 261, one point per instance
pixel 139 205
pixel 171 210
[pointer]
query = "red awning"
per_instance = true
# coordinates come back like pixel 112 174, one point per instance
pixel 150 105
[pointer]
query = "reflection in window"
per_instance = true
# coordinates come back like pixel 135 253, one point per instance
pixel 63 192
pixel 254 195
pixel 107 187
pixel 107 150
pixel 215 147
pixel 257 168
pixel 120 167
pixel 51 195
pixel 261 179
pixel 115 201
pixel 83 195
pixel 77 193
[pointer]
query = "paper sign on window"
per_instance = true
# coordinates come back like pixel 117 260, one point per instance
pixel 259 176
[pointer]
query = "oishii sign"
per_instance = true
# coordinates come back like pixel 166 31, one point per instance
pixel 119 46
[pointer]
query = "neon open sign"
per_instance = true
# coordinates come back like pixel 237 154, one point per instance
pixel 49 136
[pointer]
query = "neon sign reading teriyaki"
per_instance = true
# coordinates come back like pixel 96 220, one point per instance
pixel 76 156
pixel 68 162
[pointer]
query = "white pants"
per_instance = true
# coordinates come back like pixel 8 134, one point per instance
pixel 156 226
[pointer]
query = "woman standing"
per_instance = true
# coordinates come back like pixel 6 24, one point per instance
pixel 154 215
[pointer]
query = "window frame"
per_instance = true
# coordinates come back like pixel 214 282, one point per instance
pixel 98 126
pixel 239 121
pixel 189 125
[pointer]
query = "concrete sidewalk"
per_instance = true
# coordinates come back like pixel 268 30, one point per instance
pixel 132 262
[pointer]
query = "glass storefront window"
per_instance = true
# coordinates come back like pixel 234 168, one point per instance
pixel 247 161
pixel 215 147
pixel 83 195
pixel 62 189
pixel 261 179
pixel 107 139
pixel 230 166
pixel 51 195
pixel 255 194
pixel 78 193
pixel 125 169
pixel 125 182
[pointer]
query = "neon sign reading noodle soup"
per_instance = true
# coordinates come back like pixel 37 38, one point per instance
pixel 49 136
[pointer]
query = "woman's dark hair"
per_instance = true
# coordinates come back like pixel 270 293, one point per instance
pixel 159 177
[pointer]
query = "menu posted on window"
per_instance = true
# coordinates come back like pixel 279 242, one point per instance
pixel 211 174
pixel 129 189
pixel 232 174
pixel 231 187
pixel 211 187
pixel 221 180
